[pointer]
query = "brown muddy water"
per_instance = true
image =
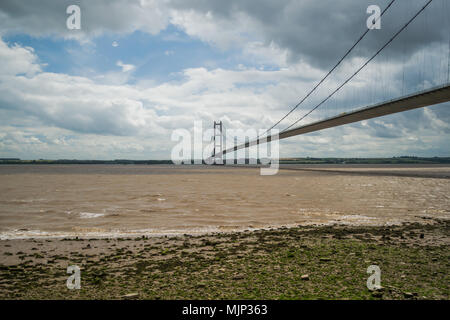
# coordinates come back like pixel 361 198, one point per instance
pixel 129 200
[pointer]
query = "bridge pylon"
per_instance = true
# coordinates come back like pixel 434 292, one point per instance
pixel 217 154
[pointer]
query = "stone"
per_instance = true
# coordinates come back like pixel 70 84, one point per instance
pixel 132 295
pixel 408 295
pixel 305 277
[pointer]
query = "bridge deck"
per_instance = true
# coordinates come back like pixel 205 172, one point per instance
pixel 420 99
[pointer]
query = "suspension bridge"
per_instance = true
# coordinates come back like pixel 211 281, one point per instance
pixel 430 67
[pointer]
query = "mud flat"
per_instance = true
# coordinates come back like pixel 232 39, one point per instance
pixel 438 171
pixel 306 262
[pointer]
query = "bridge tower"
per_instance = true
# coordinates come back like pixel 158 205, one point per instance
pixel 218 143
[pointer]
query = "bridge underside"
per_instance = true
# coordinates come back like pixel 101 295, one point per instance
pixel 421 99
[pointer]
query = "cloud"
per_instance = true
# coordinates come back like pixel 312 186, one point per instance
pixel 47 17
pixel 125 67
pixel 283 31
pixel 317 31
pixel 18 60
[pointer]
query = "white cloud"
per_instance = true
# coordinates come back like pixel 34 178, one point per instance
pixel 125 67
pixel 18 60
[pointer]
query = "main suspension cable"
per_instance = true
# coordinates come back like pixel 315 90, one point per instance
pixel 366 63
pixel 332 69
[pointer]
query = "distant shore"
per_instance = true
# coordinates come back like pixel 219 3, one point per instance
pixel 307 160
pixel 312 262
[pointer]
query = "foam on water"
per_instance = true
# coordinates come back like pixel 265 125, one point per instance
pixel 90 215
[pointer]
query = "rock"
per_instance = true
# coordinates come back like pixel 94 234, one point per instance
pixel 238 277
pixel 305 277
pixel 132 295
pixel 408 295
pixel 325 259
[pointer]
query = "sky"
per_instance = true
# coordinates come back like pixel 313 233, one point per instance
pixel 137 70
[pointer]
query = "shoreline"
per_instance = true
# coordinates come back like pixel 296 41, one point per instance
pixel 111 235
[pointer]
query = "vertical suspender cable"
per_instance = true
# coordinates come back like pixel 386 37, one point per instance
pixel 362 67
pixel 329 72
